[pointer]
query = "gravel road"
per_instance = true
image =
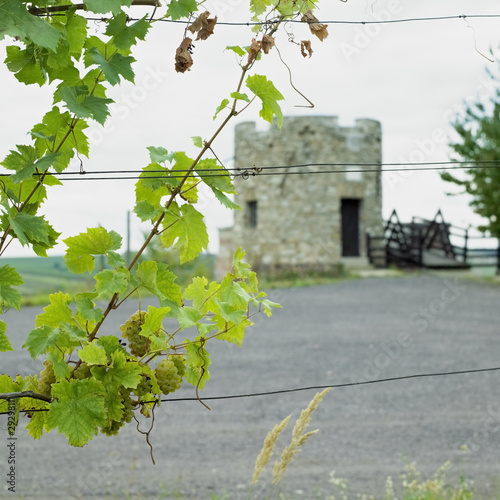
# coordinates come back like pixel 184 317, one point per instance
pixel 352 331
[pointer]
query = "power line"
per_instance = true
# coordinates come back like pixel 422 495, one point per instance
pixel 317 387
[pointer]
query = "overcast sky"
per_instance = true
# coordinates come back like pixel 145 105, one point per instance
pixel 412 77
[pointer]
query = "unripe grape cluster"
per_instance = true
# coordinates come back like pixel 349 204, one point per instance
pixel 82 371
pixel 143 387
pixel 138 344
pixel 113 427
pixel 47 378
pixel 169 373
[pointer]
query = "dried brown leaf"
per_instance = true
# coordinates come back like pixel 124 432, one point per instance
pixel 183 59
pixel 318 29
pixel 267 43
pixel 197 24
pixel 254 50
pixel 203 25
pixel 207 29
pixel 305 48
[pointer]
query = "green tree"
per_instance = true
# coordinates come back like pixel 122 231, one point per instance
pixel 96 380
pixel 478 141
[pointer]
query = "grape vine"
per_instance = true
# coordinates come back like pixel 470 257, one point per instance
pixel 94 380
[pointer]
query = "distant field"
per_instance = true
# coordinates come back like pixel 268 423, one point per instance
pixel 43 276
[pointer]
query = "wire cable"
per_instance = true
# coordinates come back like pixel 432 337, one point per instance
pixel 258 171
pixel 317 387
pixel 337 21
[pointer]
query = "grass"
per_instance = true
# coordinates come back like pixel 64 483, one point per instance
pixel 304 278
pixel 43 276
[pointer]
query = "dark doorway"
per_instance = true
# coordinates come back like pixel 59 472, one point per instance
pixel 350 227
pixel 251 214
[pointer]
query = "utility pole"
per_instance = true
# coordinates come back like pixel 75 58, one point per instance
pixel 127 257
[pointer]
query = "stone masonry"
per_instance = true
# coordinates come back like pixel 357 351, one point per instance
pixel 297 219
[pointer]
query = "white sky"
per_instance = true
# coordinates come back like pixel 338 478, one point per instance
pixel 412 77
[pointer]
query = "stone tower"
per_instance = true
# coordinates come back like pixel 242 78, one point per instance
pixel 296 219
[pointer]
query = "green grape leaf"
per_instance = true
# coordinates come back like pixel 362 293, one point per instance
pixel 236 49
pixel 188 317
pixel 231 314
pixel 159 154
pixel 265 90
pixel 153 185
pixel 49 135
pixel 76 33
pixel 8 296
pixel 82 248
pixel 17 160
pixel 41 247
pixel 15 20
pixel 269 305
pixel 38 419
pixel 258 7
pixel 125 35
pixel 39 340
pixel 109 282
pixel 78 409
pixel 146 275
pixel 29 228
pixel 110 344
pixel 115 260
pixel 7 384
pixel 157 279
pixel 224 200
pixel 197 141
pixel 159 342
pixel 215 176
pixel 40 166
pixel 25 65
pixel 113 67
pixel 154 320
pixel 240 96
pixel 241 269
pixel 93 354
pixel 198 361
pixel 197 291
pixel 57 312
pixel 246 298
pixel 5 344
pixel 114 405
pixel 122 372
pixel 181 166
pixel 105 6
pixel 220 107
pixel 24 161
pixel 145 211
pixel 232 332
pixel 83 105
pixel 181 8
pixel 287 7
pixel 185 225
pixel 165 281
pixel 61 368
pixel 73 334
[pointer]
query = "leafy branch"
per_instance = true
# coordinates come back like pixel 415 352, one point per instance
pixel 94 381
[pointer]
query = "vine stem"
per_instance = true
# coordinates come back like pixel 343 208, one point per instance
pixel 38 11
pixel 206 147
pixel 25 394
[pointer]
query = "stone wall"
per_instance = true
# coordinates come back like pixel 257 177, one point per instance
pixel 293 220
